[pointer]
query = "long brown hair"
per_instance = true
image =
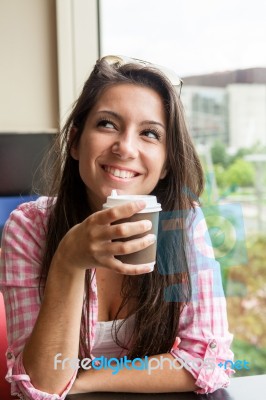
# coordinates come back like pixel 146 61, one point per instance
pixel 160 295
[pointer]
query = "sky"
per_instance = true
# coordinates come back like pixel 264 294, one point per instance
pixel 189 36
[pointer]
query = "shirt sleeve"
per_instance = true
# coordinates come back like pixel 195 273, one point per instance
pixel 20 266
pixel 203 342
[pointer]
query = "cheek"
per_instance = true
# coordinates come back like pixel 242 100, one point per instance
pixel 161 158
pixel 163 170
pixel 89 149
pixel 96 145
pixel 157 162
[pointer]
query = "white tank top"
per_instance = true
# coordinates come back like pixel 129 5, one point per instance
pixel 105 344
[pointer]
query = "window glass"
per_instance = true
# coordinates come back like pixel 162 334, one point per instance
pixel 218 48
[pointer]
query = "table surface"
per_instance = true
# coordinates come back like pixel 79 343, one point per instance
pixel 244 388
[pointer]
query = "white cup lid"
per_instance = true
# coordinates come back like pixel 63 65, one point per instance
pixel 116 199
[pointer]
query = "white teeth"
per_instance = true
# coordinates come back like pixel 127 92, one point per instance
pixel 119 173
pixel 116 172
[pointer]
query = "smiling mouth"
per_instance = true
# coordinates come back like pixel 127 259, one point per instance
pixel 120 173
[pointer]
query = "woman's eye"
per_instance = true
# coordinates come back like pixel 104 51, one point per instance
pixel 106 124
pixel 152 134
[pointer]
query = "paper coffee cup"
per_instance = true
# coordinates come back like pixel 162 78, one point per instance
pixel 150 212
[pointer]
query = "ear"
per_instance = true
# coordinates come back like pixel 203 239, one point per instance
pixel 74 150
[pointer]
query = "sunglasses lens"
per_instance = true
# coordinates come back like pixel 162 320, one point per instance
pixel 112 60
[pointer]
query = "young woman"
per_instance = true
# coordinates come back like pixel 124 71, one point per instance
pixel 69 299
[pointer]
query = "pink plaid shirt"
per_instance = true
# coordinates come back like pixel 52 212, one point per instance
pixel 203 330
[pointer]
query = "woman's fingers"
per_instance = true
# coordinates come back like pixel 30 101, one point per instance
pixel 96 241
pixel 126 229
pixel 131 246
pixel 126 269
pixel 110 215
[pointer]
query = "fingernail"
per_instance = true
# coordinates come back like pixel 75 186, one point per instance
pixel 148 224
pixel 151 238
pixel 148 268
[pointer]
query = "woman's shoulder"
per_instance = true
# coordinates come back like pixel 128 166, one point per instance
pixel 23 243
pixel 29 219
pixel 38 208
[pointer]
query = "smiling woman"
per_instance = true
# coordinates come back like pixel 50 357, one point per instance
pixel 69 297
pixel 119 143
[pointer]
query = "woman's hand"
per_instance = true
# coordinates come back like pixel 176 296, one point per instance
pixel 91 244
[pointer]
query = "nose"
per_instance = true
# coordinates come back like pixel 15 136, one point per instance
pixel 125 146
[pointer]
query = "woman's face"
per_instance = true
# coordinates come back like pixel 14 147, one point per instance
pixel 123 144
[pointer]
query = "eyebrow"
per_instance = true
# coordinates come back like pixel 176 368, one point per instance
pixel 119 117
pixel 153 123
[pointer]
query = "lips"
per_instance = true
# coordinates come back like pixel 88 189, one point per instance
pixel 120 173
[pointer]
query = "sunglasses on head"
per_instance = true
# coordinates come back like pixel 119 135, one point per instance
pixel 122 60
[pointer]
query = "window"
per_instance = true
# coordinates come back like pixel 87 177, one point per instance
pixel 218 49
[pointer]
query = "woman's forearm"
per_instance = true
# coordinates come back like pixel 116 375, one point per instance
pixel 57 328
pixel 159 380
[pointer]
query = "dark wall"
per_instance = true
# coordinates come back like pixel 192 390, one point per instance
pixel 21 155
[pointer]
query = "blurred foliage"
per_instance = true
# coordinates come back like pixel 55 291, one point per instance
pixel 244 280
pixel 232 170
pixel 219 155
pixel 245 288
pixel 239 173
pixel 255 356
